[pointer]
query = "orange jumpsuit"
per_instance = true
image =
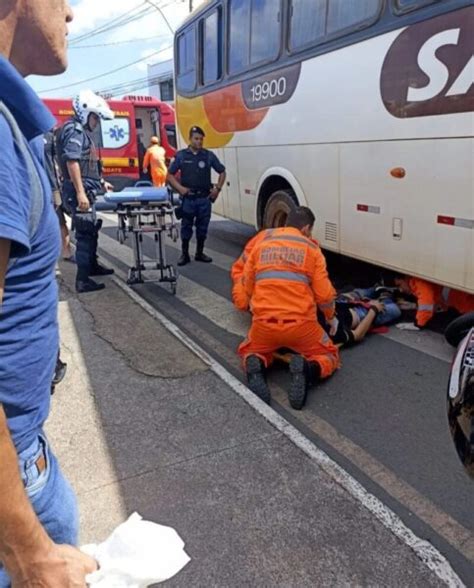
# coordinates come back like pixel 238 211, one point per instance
pixel 432 296
pixel 155 157
pixel 283 280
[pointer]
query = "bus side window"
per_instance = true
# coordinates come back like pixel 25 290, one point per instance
pixel 212 47
pixel 255 32
pixel 239 31
pixel 308 23
pixel 344 15
pixel 402 6
pixel 187 60
pixel 265 17
pixel 312 21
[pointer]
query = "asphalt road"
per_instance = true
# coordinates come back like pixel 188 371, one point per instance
pixel 381 416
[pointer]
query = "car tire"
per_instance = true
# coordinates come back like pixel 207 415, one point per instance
pixel 278 207
pixel 459 328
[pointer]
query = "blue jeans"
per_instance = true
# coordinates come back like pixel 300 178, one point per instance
pixel 51 496
pixel 391 313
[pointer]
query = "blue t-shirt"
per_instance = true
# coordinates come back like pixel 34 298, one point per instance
pixel 28 314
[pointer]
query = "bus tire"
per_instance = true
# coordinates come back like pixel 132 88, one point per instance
pixel 278 207
pixel 459 328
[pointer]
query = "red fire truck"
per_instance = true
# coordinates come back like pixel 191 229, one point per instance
pixel 123 141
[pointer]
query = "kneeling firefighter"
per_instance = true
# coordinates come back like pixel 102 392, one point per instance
pixel 81 169
pixel 284 279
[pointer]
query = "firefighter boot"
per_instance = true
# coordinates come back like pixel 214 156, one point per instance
pixel 200 255
pixel 256 379
pixel 303 375
pixel 184 259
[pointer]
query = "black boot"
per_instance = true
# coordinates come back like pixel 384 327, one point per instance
pixel 303 375
pixel 200 255
pixel 100 270
pixel 256 378
pixel 184 259
pixel 88 286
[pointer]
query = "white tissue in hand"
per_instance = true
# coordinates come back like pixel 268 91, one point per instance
pixel 137 554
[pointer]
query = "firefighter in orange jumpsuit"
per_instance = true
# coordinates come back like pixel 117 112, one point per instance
pixel 430 298
pixel 155 158
pixel 283 280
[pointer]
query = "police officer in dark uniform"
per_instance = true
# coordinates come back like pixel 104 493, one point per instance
pixel 197 192
pixel 80 166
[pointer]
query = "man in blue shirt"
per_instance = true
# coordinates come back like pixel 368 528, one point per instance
pixel 195 164
pixel 38 513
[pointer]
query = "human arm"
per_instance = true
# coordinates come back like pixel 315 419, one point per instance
pixel 218 187
pixel 426 301
pixel 218 167
pixel 174 168
pixel 364 326
pixel 28 554
pixel 146 162
pixel 321 285
pixel 74 170
pixel 239 294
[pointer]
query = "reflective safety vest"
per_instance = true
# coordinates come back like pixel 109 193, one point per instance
pixel 284 277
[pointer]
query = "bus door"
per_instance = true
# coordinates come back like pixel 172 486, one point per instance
pixel 231 191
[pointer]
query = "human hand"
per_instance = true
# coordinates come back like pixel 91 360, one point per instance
pixel 407 327
pixel 333 324
pixel 62 566
pixel 184 191
pixel 379 306
pixel 214 194
pixel 83 202
pixel 108 187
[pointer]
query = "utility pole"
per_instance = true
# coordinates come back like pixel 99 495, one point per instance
pixel 190 5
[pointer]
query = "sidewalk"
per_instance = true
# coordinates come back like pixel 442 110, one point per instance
pixel 142 424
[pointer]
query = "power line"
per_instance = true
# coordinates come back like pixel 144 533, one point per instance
pixel 112 25
pixel 108 73
pixel 125 42
pixel 159 9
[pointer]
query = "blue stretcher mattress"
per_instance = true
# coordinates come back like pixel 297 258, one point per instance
pixel 134 195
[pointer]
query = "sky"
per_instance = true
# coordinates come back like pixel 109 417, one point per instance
pixel 97 55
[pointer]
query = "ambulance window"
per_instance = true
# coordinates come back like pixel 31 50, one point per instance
pixel 348 15
pixel 187 60
pixel 171 135
pixel 308 23
pixel 115 133
pixel 212 47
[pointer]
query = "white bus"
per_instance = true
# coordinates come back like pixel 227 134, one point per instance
pixel 360 109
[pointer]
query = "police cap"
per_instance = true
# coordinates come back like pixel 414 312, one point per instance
pixel 197 130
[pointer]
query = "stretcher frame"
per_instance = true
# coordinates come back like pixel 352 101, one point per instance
pixel 138 218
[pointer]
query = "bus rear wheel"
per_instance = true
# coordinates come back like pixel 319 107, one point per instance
pixel 277 209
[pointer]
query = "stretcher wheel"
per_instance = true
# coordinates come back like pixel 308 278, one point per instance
pixel 121 236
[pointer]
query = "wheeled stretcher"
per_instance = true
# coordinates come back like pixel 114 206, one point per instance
pixel 141 211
